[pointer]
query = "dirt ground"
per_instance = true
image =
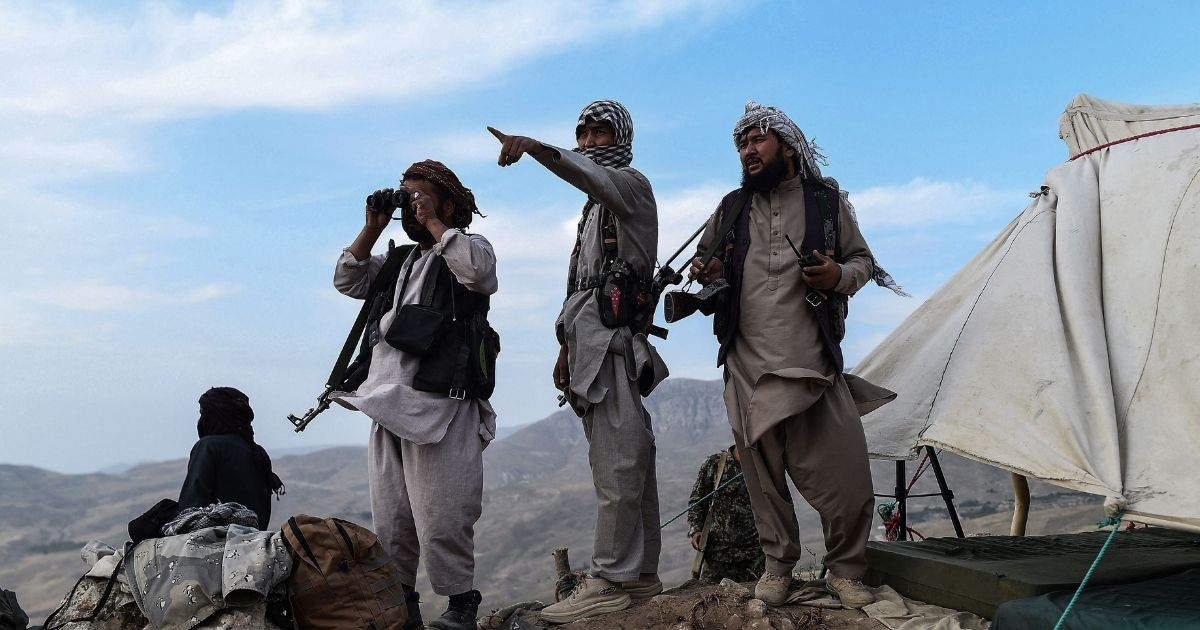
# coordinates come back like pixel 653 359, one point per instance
pixel 696 606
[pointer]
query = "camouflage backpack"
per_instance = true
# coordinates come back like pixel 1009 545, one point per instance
pixel 341 577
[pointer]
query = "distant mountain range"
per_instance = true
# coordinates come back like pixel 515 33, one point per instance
pixel 538 497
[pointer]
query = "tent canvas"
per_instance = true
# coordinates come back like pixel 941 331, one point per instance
pixel 1067 349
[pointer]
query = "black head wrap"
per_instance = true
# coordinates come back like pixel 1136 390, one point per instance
pixel 226 411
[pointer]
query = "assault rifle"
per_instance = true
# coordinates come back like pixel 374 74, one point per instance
pixel 347 375
pixel 667 276
pixel 356 373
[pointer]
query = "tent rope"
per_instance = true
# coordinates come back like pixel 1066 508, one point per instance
pixel 1115 522
pixel 1132 138
pixel 890 513
pixel 702 499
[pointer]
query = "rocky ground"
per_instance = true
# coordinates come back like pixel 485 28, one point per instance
pixel 696 605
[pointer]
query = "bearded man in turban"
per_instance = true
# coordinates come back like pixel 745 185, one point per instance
pixel 605 363
pixel 780 324
pixel 425 456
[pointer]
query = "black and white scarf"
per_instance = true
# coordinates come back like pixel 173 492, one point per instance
pixel 615 155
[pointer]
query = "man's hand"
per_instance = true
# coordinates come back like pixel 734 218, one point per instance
pixel 425 212
pixel 713 270
pixel 562 374
pixel 513 147
pixel 822 277
pixel 696 541
pixel 376 221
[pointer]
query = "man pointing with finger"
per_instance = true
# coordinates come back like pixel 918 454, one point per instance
pixel 605 363
pixel 780 326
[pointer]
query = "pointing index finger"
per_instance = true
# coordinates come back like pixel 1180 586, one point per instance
pixel 496 132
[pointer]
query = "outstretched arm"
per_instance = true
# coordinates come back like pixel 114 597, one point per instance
pixel 622 191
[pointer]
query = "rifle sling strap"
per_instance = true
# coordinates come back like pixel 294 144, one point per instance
pixel 391 267
pixel 727 219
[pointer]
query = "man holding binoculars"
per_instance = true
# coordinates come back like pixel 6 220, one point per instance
pixel 430 411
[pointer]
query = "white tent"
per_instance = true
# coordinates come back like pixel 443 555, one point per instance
pixel 1069 348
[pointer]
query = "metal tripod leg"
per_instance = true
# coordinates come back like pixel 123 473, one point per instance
pixel 947 494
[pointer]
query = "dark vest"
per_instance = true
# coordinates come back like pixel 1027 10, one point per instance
pixel 822 212
pixel 453 362
pixel 460 360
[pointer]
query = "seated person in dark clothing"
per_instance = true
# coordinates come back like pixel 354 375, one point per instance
pixel 226 464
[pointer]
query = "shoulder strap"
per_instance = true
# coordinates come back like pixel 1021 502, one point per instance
pixel 607 231
pixel 828 198
pixel 387 274
pixel 727 218
pixel 112 579
pixel 298 534
pixel 821 219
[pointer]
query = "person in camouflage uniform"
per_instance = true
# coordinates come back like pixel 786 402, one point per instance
pixel 732 550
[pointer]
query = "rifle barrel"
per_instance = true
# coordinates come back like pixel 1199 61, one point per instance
pixel 685 244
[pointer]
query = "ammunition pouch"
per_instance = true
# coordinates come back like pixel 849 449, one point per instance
pixel 623 297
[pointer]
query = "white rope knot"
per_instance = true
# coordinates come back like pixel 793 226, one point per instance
pixel 1115 506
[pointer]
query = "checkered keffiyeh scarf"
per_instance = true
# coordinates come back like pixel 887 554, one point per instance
pixel 808 154
pixel 195 519
pixel 615 155
pixel 766 117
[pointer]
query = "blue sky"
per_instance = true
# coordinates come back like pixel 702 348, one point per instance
pixel 176 180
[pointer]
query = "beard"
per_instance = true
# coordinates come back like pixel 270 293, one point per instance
pixel 773 171
pixel 416 232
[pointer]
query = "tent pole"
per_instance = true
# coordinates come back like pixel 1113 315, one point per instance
pixel 901 501
pixel 1020 505
pixel 947 494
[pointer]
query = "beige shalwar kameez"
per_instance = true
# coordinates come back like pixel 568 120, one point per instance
pixel 605 366
pixel 791 412
pixel 425 455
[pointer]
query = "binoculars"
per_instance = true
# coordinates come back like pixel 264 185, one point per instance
pixel 388 200
pixel 680 304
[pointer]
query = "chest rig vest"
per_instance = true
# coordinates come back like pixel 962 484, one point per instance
pixel 624 297
pixel 447 328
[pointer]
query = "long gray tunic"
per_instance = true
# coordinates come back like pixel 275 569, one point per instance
pixel 605 365
pixel 627 194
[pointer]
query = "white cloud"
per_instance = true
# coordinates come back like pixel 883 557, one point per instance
pixel 477 145
pixel 113 298
pixel 924 202
pixel 163 62
pixel 681 213
pixel 83 86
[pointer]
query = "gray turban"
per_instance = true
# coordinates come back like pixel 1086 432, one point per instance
pixel 765 117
